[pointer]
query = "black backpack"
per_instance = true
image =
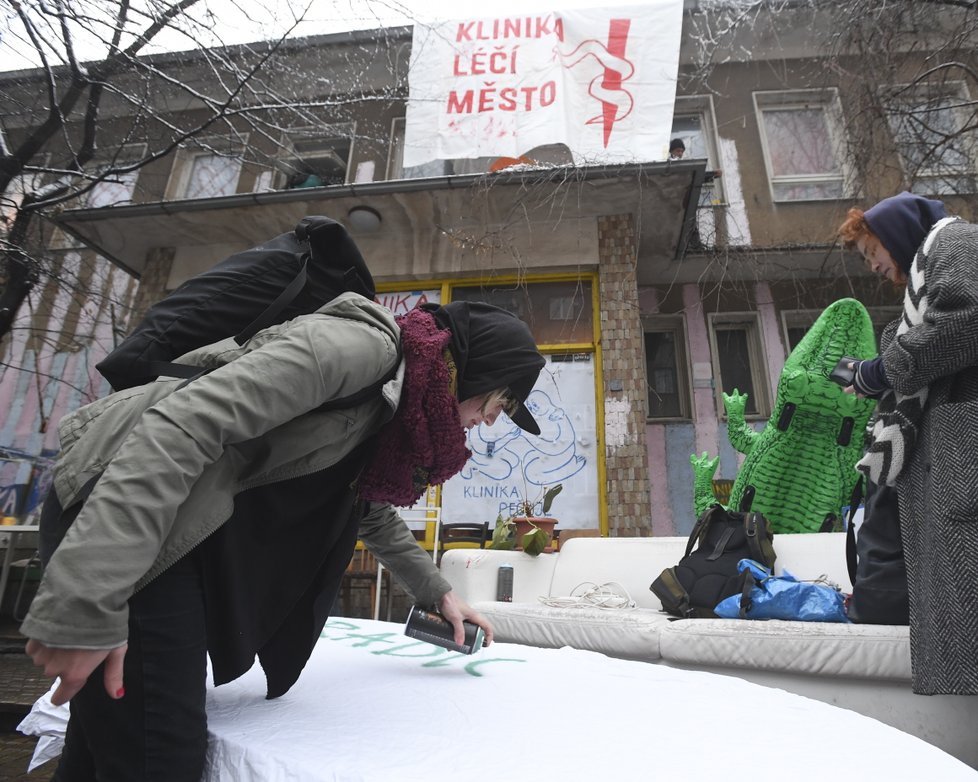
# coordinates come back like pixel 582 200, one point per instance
pixel 293 274
pixel 708 574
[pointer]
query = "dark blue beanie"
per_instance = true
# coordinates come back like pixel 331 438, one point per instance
pixel 902 222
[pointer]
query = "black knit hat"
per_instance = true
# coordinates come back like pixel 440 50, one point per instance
pixel 902 222
pixel 493 349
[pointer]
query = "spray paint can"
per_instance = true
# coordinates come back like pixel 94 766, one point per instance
pixel 504 584
pixel 428 625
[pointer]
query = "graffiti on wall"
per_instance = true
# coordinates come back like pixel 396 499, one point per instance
pixel 24 482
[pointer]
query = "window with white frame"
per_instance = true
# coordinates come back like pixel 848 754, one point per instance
pixel 802 139
pixel 695 124
pixel 930 126
pixel 109 184
pixel 316 157
pixel 544 155
pixel 395 162
pixel 113 190
pixel 738 360
pixel 202 174
pixel 795 324
pixel 433 168
pixel 666 367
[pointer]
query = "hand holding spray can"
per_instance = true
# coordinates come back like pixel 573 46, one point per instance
pixel 430 626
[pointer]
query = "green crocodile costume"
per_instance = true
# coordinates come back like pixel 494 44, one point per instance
pixel 802 465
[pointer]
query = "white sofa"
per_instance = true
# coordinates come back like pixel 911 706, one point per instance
pixel 861 667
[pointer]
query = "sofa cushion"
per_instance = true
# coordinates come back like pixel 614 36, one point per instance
pixel 630 564
pixel 809 555
pixel 814 648
pixel 629 633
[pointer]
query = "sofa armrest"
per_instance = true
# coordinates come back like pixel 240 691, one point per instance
pixel 472 573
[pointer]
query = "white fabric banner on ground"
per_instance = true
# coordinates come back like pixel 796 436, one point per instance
pixel 375 706
pixel 602 81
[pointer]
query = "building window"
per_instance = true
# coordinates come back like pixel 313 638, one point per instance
pixel 114 190
pixel 666 368
pixel 316 157
pixel 212 175
pixel 694 123
pixel 801 134
pixel 395 161
pixel 795 325
pixel 558 313
pixel 549 154
pixel 738 360
pixel 204 174
pixel 930 127
pixel 543 155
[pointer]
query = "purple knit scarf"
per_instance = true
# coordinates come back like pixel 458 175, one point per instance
pixel 424 444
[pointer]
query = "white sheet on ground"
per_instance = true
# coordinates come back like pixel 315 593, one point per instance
pixel 375 706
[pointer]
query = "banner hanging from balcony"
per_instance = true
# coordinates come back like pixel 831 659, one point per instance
pixel 601 81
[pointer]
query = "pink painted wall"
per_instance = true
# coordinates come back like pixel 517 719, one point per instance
pixel 770 334
pixel 42 381
pixel 662 517
pixel 704 406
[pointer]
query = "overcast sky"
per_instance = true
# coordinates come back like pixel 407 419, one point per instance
pixel 242 21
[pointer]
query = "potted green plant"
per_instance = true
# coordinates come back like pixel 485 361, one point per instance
pixel 526 529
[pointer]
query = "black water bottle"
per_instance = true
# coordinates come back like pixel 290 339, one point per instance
pixel 504 584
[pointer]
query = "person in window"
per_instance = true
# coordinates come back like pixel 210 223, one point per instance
pixel 677 148
pixel 305 179
pixel 925 437
pixel 217 517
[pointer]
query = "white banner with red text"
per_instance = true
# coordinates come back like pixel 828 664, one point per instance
pixel 601 81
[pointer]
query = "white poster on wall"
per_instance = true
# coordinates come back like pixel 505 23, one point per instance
pixel 602 81
pixel 508 464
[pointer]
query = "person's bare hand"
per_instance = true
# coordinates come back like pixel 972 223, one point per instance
pixel 455 609
pixel 74 666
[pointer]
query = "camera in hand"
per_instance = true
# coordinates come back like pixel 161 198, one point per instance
pixel 842 374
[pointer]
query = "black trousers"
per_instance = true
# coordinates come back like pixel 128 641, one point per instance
pixel 157 732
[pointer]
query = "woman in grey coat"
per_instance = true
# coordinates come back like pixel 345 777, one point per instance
pixel 216 518
pixel 925 438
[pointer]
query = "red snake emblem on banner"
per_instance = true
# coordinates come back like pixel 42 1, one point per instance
pixel 616 101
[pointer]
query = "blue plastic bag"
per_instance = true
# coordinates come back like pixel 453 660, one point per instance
pixel 784 597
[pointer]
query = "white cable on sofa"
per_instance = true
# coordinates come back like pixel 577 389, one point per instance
pixel 610 595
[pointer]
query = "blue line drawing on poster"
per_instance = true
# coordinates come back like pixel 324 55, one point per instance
pixel 545 459
pixel 554 456
pixel 491 455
